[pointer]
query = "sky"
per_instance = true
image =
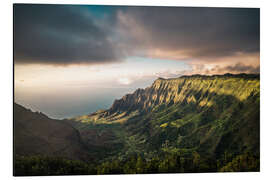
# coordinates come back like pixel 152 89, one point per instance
pixel 72 60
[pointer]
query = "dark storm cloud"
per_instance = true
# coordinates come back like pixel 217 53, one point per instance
pixel 57 34
pixel 196 32
pixel 62 34
pixel 242 68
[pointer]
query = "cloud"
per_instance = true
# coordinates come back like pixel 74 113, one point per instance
pixel 68 35
pixel 191 33
pixel 124 81
pixel 237 68
pixel 59 34
pixel 222 69
pixel 171 74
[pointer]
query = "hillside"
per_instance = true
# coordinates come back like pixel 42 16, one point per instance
pixel 37 134
pixel 214 116
pixel 187 124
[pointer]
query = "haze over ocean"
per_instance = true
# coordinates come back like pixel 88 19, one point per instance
pixel 90 89
pixel 73 60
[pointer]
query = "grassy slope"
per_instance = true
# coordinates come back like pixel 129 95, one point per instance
pixel 211 115
pixel 187 124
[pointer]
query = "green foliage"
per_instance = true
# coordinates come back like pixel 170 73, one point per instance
pixel 167 162
pixel 44 165
pixel 246 162
pixel 187 124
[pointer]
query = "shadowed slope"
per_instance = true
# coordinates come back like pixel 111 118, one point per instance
pixel 187 124
pixel 211 115
pixel 37 134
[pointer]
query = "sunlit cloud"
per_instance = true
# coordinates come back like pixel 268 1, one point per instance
pixel 124 81
pixel 104 52
pixel 72 35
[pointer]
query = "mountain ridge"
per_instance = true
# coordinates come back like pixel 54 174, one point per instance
pixel 209 114
pixel 162 83
pixel 198 123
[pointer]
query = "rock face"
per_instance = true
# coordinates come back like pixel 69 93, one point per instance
pixel 208 123
pixel 213 116
pixel 186 89
pixel 131 102
pixel 36 134
pixel 208 114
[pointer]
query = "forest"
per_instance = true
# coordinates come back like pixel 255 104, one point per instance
pixel 191 124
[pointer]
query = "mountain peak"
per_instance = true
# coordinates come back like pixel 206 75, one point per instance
pixel 185 89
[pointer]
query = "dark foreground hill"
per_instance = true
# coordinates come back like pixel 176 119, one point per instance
pixel 188 124
pixel 37 134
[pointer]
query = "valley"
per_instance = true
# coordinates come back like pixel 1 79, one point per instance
pixel 188 124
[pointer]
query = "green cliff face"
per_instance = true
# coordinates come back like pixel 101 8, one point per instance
pixel 214 116
pixel 187 124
